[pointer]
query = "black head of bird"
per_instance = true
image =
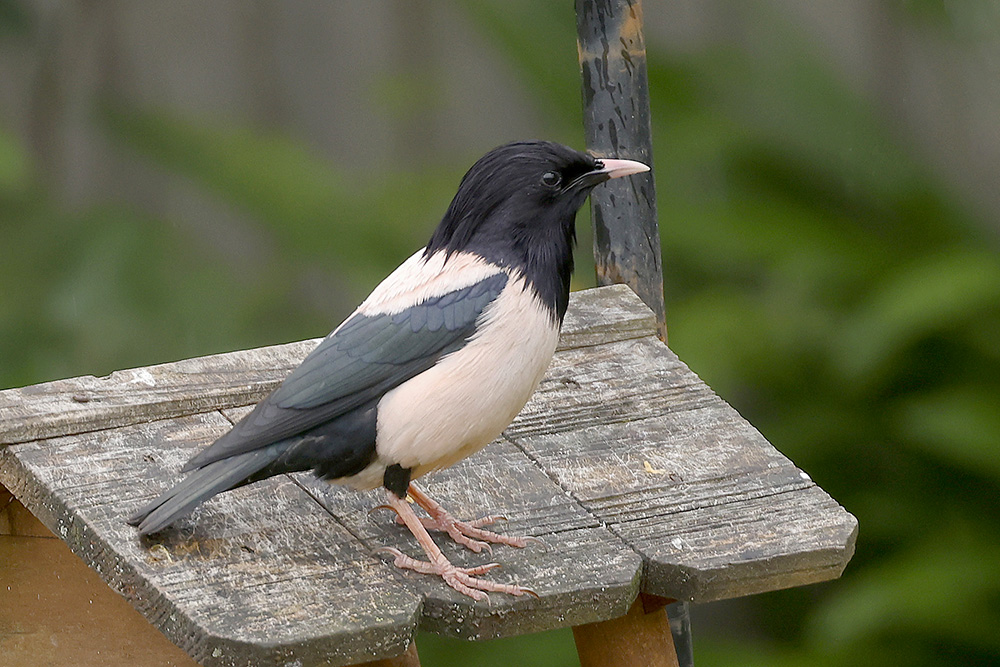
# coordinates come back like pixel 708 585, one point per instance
pixel 433 365
pixel 517 207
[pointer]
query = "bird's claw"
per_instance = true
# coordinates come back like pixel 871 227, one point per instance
pixel 464 532
pixel 465 580
pixel 392 551
pixel 537 541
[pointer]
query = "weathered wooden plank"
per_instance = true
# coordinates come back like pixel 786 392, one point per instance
pixel 622 452
pixel 55 610
pixel 261 575
pixel 240 574
pixel 605 314
pixel 750 546
pixel 83 404
pixel 134 396
pixel 623 380
pixel 647 448
pixel 582 574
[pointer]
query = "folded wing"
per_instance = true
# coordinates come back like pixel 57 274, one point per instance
pixel 363 359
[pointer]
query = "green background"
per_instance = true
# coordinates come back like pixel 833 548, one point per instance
pixel 819 276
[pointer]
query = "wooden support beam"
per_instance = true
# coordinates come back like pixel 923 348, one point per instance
pixel 641 638
pixel 54 610
pixel 16 520
pixel 408 659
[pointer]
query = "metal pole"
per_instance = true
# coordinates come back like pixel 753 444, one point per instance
pixel 616 120
pixel 679 615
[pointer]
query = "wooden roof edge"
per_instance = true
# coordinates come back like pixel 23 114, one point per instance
pixel 191 386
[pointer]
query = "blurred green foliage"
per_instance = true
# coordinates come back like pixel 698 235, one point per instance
pixel 818 278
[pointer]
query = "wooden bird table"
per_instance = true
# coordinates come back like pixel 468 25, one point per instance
pixel 634 473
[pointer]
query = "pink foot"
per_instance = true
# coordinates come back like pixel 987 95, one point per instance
pixel 467 533
pixel 465 580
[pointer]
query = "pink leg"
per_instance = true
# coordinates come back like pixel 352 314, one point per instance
pixel 462 579
pixel 467 533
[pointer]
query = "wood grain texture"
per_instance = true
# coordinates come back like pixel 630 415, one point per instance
pixel 55 611
pixel 634 473
pixel 261 575
pixel 596 316
pixel 582 574
pixel 87 403
pixel 647 448
pixel 640 638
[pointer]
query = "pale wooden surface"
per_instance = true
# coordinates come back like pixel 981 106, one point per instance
pixel 634 473
pixel 56 612
pixel 17 521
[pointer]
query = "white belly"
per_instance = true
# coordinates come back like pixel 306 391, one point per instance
pixel 467 399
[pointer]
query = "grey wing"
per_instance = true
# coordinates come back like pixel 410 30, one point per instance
pixel 363 359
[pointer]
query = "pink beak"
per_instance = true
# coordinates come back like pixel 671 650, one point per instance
pixel 619 168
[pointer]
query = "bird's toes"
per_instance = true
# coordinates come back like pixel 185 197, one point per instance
pixel 479 569
pixel 468 581
pixel 391 551
pixel 470 543
pixel 486 520
pixel 466 586
pixel 473 532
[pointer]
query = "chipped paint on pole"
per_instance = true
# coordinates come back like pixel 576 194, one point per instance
pixel 616 119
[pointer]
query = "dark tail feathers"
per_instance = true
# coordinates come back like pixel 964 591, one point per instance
pixel 202 484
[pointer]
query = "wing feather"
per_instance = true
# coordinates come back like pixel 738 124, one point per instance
pixel 362 359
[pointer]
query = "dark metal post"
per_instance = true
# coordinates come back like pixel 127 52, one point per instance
pixel 680 628
pixel 617 124
pixel 616 120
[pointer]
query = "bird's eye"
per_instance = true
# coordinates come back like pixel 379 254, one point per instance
pixel 551 179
